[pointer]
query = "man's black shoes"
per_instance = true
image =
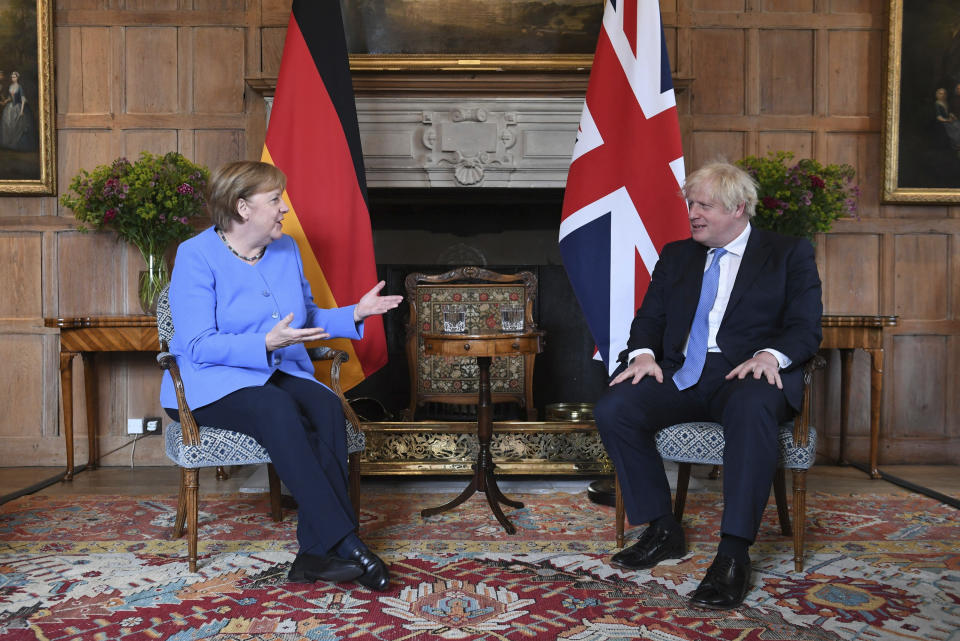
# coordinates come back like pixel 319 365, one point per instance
pixel 307 568
pixel 654 545
pixel 725 585
pixel 375 575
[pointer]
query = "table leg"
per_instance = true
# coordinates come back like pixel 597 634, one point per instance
pixel 876 398
pixel 66 402
pixel 846 367
pixel 90 389
pixel 483 472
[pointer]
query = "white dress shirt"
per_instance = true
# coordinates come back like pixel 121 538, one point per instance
pixel 729 267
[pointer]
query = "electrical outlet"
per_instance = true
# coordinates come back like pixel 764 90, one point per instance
pixel 152 425
pixel 134 426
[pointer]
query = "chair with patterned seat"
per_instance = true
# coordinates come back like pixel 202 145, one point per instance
pixel 192 447
pixel 455 380
pixel 703 443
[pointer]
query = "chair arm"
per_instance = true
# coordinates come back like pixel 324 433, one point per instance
pixel 801 424
pixel 337 357
pixel 190 431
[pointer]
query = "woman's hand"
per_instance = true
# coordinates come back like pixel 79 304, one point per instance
pixel 372 303
pixel 282 335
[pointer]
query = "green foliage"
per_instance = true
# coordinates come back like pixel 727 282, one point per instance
pixel 149 202
pixel 803 198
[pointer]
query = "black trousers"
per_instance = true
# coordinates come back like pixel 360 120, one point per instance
pixel 628 416
pixel 301 425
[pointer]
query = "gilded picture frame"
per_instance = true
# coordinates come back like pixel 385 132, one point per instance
pixel 921 159
pixel 471 35
pixel 27 118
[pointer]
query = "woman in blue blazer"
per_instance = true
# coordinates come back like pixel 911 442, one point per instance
pixel 242 311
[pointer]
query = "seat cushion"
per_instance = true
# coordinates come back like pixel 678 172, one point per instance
pixel 702 442
pixel 217 447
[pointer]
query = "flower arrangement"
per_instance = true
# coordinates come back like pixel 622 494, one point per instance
pixel 803 198
pixel 149 203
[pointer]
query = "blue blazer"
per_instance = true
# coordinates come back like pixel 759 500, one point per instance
pixel 775 303
pixel 223 309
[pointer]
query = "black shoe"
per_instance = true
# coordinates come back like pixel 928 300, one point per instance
pixel 725 585
pixel 375 575
pixel 655 545
pixel 307 568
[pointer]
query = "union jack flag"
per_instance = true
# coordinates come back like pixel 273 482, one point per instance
pixel 622 202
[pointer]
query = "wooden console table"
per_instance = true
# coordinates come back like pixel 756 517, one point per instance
pixel 86 336
pixel 847 333
pixel 484 347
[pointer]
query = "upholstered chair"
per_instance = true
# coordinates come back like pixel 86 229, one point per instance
pixel 192 447
pixel 702 443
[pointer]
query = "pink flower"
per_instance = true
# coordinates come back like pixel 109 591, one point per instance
pixel 109 215
pixel 817 182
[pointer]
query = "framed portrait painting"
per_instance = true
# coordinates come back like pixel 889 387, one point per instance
pixel 922 114
pixel 438 35
pixel 27 149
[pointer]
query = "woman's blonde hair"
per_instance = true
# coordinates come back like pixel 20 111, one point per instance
pixel 235 180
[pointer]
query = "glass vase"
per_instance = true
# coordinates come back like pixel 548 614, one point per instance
pixel 152 281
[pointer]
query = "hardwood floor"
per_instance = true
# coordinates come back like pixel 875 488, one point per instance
pixel 164 480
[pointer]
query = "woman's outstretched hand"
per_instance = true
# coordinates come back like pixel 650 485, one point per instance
pixel 282 335
pixel 373 303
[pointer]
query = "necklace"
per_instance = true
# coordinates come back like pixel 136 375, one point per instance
pixel 249 259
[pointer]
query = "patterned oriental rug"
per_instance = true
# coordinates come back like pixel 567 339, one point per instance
pixel 878 567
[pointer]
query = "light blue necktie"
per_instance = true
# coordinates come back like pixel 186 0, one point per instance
pixel 689 374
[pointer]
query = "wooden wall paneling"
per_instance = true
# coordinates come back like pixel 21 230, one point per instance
pixel 218 5
pixel 156 141
pixel 852 91
pixel 275 12
pixel 851 284
pixel 271 48
pixel 26 206
pixel 218 71
pixel 151 5
pixel 711 145
pixel 922 267
pixel 21 394
pixel 795 6
pixel 862 151
pixel 799 142
pixel 217 146
pixel 668 6
pixel 856 6
pixel 151 70
pixel 719 5
pixel 719 59
pixel 21 265
pixel 91 278
pixel 786 71
pixel 83 149
pixel 919 387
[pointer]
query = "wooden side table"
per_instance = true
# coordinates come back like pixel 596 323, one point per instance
pixel 86 336
pixel 847 333
pixel 484 347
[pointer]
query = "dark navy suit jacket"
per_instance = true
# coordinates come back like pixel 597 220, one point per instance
pixel 775 303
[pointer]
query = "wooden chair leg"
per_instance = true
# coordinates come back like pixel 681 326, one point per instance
pixel 683 482
pixel 714 473
pixel 619 510
pixel 222 473
pixel 354 468
pixel 181 505
pixel 799 516
pixel 780 493
pixel 191 485
pixel 276 509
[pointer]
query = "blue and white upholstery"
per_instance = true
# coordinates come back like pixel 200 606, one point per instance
pixel 702 442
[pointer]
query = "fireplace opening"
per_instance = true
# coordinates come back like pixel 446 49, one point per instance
pixel 505 230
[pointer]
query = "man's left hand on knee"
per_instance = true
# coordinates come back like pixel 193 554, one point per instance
pixel 763 364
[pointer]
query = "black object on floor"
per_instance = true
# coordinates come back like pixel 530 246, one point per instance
pixel 603 491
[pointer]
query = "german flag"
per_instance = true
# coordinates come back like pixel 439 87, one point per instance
pixel 314 138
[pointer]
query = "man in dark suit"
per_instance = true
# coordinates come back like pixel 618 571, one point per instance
pixel 729 318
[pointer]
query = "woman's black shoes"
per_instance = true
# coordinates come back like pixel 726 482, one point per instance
pixel 307 568
pixel 375 575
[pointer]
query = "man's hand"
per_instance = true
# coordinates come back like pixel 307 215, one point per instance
pixel 642 365
pixel 372 303
pixel 282 335
pixel 763 364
